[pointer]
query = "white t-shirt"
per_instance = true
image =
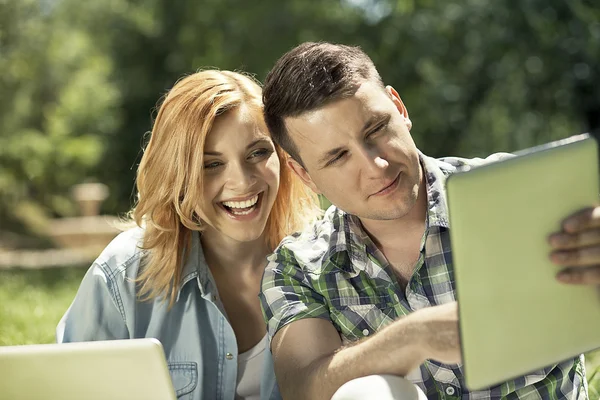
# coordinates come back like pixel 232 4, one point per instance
pixel 250 366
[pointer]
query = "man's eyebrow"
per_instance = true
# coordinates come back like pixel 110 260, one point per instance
pixel 376 119
pixel 254 143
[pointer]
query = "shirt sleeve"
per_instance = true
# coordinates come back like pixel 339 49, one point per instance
pixel 94 313
pixel 287 293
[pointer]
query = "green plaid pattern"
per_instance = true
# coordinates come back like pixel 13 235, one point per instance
pixel 334 271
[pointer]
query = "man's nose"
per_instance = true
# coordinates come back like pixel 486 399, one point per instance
pixel 373 160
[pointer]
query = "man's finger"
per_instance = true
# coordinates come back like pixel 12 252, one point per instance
pixel 580 276
pixel 567 241
pixel 582 220
pixel 583 257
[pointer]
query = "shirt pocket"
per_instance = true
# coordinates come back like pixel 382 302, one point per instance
pixel 185 378
pixel 357 318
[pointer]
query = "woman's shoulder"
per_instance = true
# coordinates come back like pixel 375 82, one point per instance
pixel 122 252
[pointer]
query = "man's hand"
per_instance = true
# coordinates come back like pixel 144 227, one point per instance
pixel 441 338
pixel 577 247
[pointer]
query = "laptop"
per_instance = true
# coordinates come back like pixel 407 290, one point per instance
pixel 514 317
pixel 113 369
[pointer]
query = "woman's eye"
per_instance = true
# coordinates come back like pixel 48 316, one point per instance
pixel 212 165
pixel 260 153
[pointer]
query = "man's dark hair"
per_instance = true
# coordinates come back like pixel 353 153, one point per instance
pixel 307 78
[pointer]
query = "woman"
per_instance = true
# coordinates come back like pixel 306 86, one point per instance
pixel 214 199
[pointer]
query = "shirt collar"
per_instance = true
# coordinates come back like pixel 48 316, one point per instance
pixel 348 252
pixel 195 266
pixel 436 172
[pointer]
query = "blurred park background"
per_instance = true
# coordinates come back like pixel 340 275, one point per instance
pixel 79 81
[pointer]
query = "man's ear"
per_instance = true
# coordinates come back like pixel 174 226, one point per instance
pixel 399 105
pixel 302 173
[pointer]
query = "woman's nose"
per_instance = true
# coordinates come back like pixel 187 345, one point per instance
pixel 241 177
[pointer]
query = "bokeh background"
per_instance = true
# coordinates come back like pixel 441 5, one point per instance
pixel 79 82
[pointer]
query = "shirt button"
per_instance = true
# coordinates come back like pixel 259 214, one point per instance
pixel 229 356
pixel 449 390
pixel 366 332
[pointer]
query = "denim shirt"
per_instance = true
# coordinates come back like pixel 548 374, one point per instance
pixel 198 340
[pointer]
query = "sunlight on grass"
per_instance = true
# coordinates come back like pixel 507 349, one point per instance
pixel 32 303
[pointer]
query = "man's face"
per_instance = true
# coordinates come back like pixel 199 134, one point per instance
pixel 358 152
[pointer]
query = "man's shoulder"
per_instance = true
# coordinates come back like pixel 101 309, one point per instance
pixel 454 164
pixel 310 249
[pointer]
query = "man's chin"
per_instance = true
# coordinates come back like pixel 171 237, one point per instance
pixel 393 210
pixel 385 214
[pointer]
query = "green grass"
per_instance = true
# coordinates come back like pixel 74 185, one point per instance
pixel 33 301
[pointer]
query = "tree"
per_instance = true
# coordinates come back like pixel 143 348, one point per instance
pixel 56 106
pixel 83 78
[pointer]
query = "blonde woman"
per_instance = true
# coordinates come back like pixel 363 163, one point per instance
pixel 214 199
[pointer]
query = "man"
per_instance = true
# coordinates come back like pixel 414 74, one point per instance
pixel 369 290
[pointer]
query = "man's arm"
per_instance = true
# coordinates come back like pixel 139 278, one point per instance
pixel 310 362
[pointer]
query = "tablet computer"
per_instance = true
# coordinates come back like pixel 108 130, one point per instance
pixel 113 369
pixel 514 316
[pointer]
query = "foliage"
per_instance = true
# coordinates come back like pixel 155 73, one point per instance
pixel 56 107
pixel 80 79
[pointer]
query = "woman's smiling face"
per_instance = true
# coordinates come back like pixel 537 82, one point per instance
pixel 241 175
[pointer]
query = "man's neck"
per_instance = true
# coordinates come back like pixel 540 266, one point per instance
pixel 399 240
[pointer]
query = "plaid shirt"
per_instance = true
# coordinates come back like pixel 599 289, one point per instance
pixel 334 271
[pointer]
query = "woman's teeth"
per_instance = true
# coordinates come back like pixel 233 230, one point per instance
pixel 241 207
pixel 239 212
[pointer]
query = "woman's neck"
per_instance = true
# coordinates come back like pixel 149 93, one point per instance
pixel 230 256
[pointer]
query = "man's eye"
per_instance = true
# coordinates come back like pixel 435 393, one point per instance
pixel 375 130
pixel 337 158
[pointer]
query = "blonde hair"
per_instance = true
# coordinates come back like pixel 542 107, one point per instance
pixel 169 177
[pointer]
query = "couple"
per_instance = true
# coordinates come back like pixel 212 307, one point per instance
pixel 366 290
